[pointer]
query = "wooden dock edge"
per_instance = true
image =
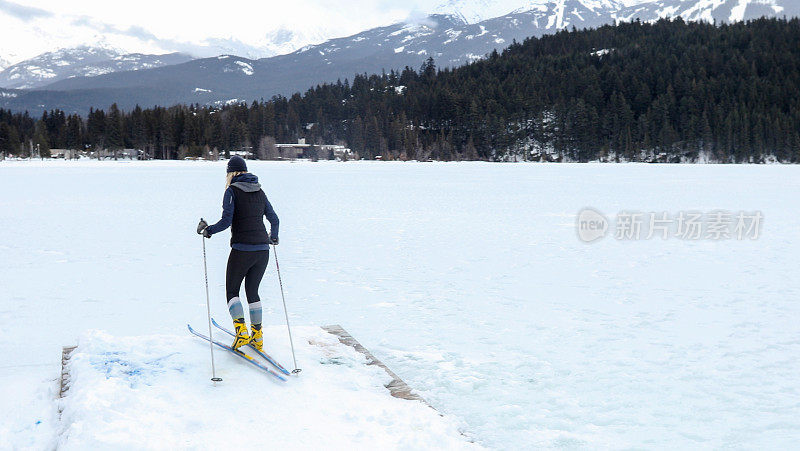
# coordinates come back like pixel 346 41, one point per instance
pixel 397 387
pixel 66 353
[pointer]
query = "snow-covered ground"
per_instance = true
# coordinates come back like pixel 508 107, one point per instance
pixel 120 387
pixel 468 280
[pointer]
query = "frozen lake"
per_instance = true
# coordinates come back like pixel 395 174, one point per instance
pixel 467 279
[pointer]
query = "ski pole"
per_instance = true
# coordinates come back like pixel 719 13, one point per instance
pixel 291 342
pixel 214 377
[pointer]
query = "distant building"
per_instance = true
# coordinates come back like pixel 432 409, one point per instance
pixel 312 151
pixel 66 154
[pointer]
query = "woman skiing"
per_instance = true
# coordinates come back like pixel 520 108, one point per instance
pixel 243 207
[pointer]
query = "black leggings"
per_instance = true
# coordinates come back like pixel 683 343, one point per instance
pixel 248 266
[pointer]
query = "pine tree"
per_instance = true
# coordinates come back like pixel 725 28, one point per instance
pixel 114 140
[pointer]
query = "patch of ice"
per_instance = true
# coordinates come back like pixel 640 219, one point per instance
pixel 246 68
pixel 737 12
pixel 601 52
pixel 453 35
pixel 93 71
pixel 483 32
pixel 41 72
pixel 227 102
pixel 667 11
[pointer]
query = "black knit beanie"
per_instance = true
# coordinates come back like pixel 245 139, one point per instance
pixel 237 164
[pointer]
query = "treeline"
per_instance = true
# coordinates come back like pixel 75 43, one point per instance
pixel 667 91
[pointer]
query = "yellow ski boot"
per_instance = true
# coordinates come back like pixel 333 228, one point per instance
pixel 256 337
pixel 241 338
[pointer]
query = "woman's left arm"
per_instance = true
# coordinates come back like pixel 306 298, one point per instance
pixel 272 217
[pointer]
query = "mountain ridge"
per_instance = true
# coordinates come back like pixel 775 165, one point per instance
pixel 82 61
pixel 448 38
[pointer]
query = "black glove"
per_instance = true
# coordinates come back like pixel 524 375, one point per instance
pixel 273 240
pixel 202 228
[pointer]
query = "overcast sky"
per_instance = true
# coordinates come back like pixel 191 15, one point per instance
pixel 205 28
pixel 30 27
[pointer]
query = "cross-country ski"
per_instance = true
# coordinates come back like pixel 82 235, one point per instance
pixel 256 350
pixel 237 352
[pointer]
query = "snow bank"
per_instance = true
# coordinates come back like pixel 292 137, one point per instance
pixel 154 392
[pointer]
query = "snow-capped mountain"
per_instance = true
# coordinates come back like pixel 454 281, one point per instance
pixel 82 61
pixel 449 39
pixel 473 11
pixel 285 40
pixel 563 11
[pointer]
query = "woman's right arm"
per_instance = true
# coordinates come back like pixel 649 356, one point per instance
pixel 227 213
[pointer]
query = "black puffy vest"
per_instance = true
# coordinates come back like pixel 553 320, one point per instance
pixel 248 217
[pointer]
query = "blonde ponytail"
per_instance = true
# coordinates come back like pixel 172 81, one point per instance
pixel 230 176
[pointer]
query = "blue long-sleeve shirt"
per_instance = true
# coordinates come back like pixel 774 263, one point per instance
pixel 228 202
